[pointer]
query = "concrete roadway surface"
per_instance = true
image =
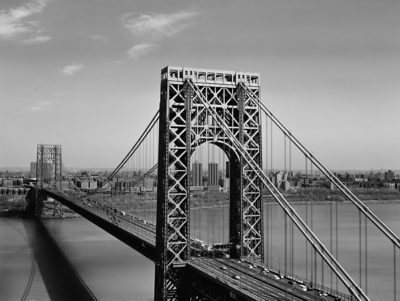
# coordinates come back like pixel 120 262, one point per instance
pixel 256 281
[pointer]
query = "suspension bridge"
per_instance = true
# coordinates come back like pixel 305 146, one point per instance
pixel 246 240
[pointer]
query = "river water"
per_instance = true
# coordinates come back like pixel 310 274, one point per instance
pixel 113 271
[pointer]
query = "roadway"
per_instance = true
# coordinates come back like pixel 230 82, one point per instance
pixel 255 281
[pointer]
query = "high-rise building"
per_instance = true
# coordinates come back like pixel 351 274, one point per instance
pixel 197 174
pixel 227 169
pixel 389 176
pixel 226 176
pixel 33 170
pixel 212 174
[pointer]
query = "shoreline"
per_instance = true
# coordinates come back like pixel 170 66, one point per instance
pixel 339 202
pixel 314 202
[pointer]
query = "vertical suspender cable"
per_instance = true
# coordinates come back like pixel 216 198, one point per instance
pixel 284 151
pixel 289 177
pixel 271 134
pixel 285 246
pixel 313 273
pixel 331 238
pixel 224 172
pixel 267 203
pixel 208 195
pixel 144 179
pixel 141 158
pixel 155 162
pixel 315 267
pixel 394 274
pixel 337 241
pixel 366 255
pixel 306 207
pixel 359 247
pixel 198 151
pixel 200 202
pixel 271 205
pixel 270 233
pixel 292 251
pixel 306 175
pixel 266 142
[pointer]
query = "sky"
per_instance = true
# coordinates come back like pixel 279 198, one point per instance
pixel 86 73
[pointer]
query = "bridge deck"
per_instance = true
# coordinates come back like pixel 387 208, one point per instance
pixel 242 280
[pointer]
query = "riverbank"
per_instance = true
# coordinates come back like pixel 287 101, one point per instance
pixel 321 195
pixel 16 205
pixel 397 201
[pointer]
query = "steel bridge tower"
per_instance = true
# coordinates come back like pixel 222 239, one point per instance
pixel 48 173
pixel 185 124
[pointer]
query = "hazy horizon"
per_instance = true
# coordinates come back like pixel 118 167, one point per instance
pixel 22 169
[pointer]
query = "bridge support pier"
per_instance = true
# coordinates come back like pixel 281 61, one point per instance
pixel 39 200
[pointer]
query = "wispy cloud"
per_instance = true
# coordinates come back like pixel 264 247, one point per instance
pixel 40 106
pixel 161 24
pixel 151 28
pixel 16 23
pixel 71 69
pixel 35 40
pixel 97 37
pixel 139 50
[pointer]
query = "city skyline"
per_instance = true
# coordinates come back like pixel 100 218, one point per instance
pixel 86 75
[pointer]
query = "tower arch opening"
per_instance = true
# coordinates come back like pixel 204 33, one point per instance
pixel 210 198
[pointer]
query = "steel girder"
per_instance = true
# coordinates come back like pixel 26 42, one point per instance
pixel 185 124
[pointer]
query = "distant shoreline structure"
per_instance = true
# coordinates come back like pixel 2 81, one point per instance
pixel 72 169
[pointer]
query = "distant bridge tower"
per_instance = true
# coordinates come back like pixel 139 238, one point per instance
pixel 185 124
pixel 48 173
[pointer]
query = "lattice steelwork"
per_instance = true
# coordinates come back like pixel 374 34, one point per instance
pixel 49 171
pixel 185 124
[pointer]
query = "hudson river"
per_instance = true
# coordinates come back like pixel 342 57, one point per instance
pixel 113 271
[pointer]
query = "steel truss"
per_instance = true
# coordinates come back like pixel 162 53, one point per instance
pixel 48 173
pixel 185 124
